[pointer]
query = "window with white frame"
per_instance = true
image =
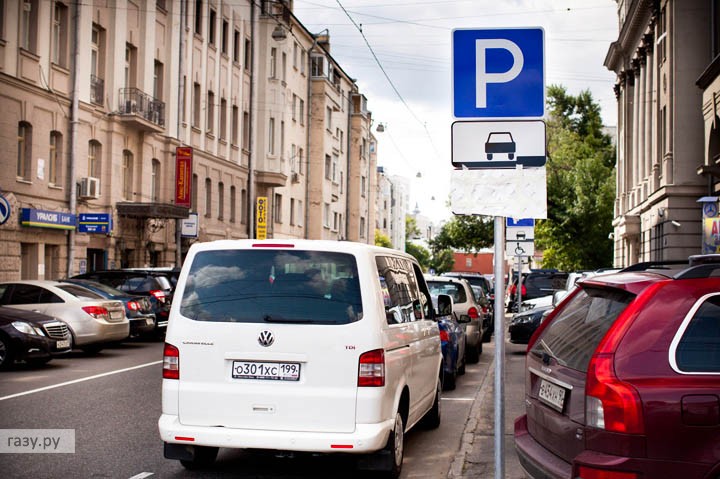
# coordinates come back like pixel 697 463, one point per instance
pixel 210 107
pixel 326 215
pixel 292 211
pixel 60 25
pixel 127 175
pixel 221 201
pixel 55 154
pixel 94 152
pixel 271 136
pixel 155 181
pixel 328 167
pixel 233 199
pixel 273 62
pixel 277 208
pixel 208 197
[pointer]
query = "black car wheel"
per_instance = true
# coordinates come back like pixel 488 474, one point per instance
pixel 396 447
pixel 449 380
pixel 6 353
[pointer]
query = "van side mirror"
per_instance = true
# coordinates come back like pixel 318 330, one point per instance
pixel 445 305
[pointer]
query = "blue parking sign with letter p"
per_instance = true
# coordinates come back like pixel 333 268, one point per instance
pixel 498 73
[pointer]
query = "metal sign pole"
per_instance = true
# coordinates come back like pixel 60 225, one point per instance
pixel 499 234
pixel 519 283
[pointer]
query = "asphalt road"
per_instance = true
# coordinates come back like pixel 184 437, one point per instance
pixel 112 401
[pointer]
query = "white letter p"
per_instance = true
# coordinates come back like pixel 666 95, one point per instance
pixel 483 77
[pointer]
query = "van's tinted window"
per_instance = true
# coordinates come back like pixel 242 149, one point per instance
pixel 400 290
pixel 699 348
pixel 577 330
pixel 273 286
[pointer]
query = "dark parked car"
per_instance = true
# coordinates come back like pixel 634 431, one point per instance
pixel 138 309
pixel 453 341
pixel 523 324
pixel 623 378
pixel 151 284
pixel 535 284
pixel 31 337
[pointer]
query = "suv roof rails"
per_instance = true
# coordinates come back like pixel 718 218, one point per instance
pixel 644 266
pixel 698 259
pixel 698 272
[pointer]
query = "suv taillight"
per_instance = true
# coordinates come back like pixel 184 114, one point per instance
pixel 171 362
pixel 97 312
pixel 159 294
pixel 133 305
pixel 473 312
pixel 610 403
pixel 523 290
pixel 371 370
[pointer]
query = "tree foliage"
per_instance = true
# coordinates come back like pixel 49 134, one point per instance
pixel 420 253
pixel 442 261
pixel 580 185
pixel 464 233
pixel 382 239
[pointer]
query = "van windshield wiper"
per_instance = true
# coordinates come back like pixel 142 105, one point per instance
pixel 550 353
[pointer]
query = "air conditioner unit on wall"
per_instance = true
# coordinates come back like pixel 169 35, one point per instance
pixel 89 187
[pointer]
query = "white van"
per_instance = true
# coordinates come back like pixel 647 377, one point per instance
pixel 299 345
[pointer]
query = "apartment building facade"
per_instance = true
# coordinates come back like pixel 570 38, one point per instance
pixel 662 49
pixel 93 133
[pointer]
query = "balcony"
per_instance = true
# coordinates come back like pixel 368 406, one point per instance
pixel 140 109
pixel 97 90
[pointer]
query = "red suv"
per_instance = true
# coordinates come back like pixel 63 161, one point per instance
pixel 623 378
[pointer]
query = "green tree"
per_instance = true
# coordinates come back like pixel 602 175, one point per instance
pixel 420 253
pixel 442 261
pixel 580 185
pixel 382 240
pixel 464 233
pixel 411 228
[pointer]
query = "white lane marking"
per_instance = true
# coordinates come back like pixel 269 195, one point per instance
pixel 142 475
pixel 75 381
pixel 457 399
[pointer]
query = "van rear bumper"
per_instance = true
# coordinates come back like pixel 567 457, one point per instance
pixel 366 438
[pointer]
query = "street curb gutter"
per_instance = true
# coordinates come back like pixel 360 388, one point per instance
pixel 468 438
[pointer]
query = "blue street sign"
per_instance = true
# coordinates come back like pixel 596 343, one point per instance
pixel 525 222
pixel 499 73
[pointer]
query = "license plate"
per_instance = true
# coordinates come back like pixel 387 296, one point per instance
pixel 149 321
pixel 65 343
pixel 266 370
pixel 552 395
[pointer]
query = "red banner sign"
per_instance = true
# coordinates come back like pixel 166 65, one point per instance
pixel 183 175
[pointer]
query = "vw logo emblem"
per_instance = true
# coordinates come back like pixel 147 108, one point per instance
pixel 266 338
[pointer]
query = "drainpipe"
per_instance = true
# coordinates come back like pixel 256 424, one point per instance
pixel 307 139
pixel 251 174
pixel 181 96
pixel 347 165
pixel 73 135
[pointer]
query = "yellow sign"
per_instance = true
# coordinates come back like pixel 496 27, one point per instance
pixel 261 218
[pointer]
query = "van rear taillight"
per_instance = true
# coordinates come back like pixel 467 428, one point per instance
pixel 371 370
pixel 171 362
pixel 611 404
pixel 584 472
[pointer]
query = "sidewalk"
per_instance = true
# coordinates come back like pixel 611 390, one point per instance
pixel 476 457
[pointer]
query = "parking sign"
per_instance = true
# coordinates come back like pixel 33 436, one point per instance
pixel 498 73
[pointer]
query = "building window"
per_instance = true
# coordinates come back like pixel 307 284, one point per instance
pixel 24 150
pixel 155 181
pixel 127 175
pixel 294 107
pixel 662 34
pixel 223 119
pixel 97 60
pixel 235 127
pixel 233 199
pixel 293 158
pixel 292 211
pixel 208 197
pixel 277 208
pixel 363 186
pixel 326 215
pixel 60 34
pixel 236 46
pixel 273 62
pixel 362 227
pixel 282 139
pixel 246 130
pixel 335 221
pixel 210 111
pixel 158 80
pixel 328 118
pixel 335 165
pixel 196 105
pixel 248 54
pixel 300 160
pixel 221 201
pixel 303 60
pixel 194 194
pixel 271 137
pixel 212 18
pixel 55 154
pixel 130 62
pixel 283 66
pixel 28 25
pixel 198 16
pixel 328 167
pixel 295 55
pixel 94 152
pixel 243 207
pixel 224 38
pixel 299 218
pixel 301 113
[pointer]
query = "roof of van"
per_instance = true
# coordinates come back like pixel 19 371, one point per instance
pixel 279 243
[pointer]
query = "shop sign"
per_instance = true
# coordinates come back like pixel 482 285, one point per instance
pixel 48 219
pixel 95 223
pixel 261 218
pixel 183 175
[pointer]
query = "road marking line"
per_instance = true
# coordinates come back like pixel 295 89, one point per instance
pixel 75 381
pixel 457 399
pixel 142 475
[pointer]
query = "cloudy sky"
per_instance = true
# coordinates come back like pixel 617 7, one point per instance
pixel 412 43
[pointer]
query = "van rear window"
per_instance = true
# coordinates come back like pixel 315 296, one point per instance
pixel 577 330
pixel 281 286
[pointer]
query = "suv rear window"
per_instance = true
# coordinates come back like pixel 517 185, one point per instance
pixel 254 286
pixel 454 290
pixel 576 331
pixel 699 348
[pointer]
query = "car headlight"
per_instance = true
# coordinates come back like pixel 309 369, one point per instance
pixel 27 328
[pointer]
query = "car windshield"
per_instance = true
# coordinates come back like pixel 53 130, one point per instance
pixel 454 290
pixel 273 286
pixel 576 331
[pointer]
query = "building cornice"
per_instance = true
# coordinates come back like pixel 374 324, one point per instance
pixel 639 16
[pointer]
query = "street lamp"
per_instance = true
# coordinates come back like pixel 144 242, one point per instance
pixel 279 33
pixel 381 127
